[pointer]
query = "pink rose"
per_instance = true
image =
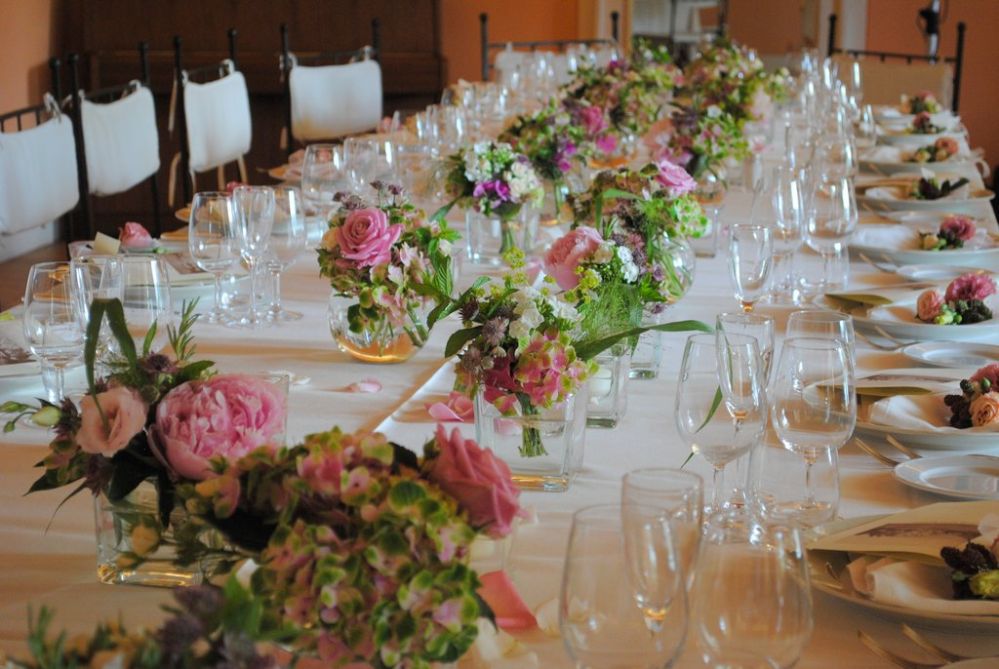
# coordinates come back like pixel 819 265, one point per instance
pixel 126 416
pixel 990 372
pixel 478 480
pixel 567 252
pixel 134 236
pixel 366 237
pixel 231 186
pixel 929 305
pixel 228 415
pixel 984 410
pixel 970 286
pixel 593 120
pixel 958 227
pixel 948 144
pixel 675 179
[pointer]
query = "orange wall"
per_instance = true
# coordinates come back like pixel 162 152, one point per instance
pixel 890 27
pixel 509 20
pixel 769 26
pixel 28 35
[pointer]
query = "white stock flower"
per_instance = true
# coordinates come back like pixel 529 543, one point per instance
pixel 714 111
pixel 628 267
pixel 519 330
pixel 444 247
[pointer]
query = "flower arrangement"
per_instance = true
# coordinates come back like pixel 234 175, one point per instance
pixel 978 403
pixel 954 231
pixel 388 257
pixel 923 124
pixel 932 188
pixel 975 570
pixel 940 151
pixel 921 102
pixel 550 140
pixel 961 304
pixel 701 141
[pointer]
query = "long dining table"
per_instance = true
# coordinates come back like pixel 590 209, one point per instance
pixel 47 554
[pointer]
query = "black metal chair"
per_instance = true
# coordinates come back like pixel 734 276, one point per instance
pixel 106 95
pixel 289 60
pixel 957 60
pixel 560 45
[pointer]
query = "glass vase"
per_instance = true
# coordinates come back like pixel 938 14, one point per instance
pixel 134 548
pixel 542 447
pixel 382 341
pixel 648 353
pixel 608 388
pixel 710 193
pixel 487 238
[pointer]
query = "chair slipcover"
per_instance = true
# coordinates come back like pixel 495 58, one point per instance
pixel 122 147
pixel 335 100
pixel 38 178
pixel 218 121
pixel 886 82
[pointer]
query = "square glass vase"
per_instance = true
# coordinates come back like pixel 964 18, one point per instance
pixel 608 389
pixel 543 447
pixel 487 238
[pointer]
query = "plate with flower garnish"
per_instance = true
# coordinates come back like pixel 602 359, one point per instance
pixel 909 106
pixel 945 154
pixel 926 191
pixel 923 129
pixel 956 239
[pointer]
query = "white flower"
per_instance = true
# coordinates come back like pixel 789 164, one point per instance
pixel 444 247
pixel 714 111
pixel 519 330
pixel 566 311
pixel 628 267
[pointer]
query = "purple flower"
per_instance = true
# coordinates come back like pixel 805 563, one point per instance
pixel 496 189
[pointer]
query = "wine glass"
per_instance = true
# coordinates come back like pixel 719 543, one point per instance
pixel 751 605
pixel 831 220
pixel 211 241
pixel 780 205
pixel 681 495
pixel 720 405
pixel 758 326
pixel 147 300
pixel 288 240
pixel 323 174
pixel 750 258
pixel 53 325
pixel 813 407
pixel 606 620
pixel 369 159
pixel 91 278
pixel 254 207
pixel 823 324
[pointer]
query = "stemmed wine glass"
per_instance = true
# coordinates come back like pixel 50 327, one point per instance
pixel 288 240
pixel 831 220
pixel 751 604
pixel 323 174
pixel 813 408
pixel 211 241
pixel 147 300
pixel 780 205
pixel 750 257
pixel 721 409
pixel 254 208
pixel 53 325
pixel 96 277
pixel 758 326
pixel 639 620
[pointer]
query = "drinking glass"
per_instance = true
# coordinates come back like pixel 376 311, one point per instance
pixel 681 495
pixel 836 152
pixel 147 299
pixel 751 605
pixel 831 220
pixel 777 483
pixel 254 207
pixel 813 408
pixel 758 326
pixel 369 159
pixel 53 325
pixel 91 278
pixel 289 237
pixel 780 205
pixel 211 241
pixel 866 134
pixel 720 408
pixel 823 324
pixel 323 174
pixel 750 258
pixel 609 621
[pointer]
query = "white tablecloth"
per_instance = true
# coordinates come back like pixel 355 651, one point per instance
pixel 56 567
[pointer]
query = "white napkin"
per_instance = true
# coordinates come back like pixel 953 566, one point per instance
pixel 882 154
pixel 887 237
pixel 920 412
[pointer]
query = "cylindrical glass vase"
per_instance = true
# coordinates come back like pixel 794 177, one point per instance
pixel 488 238
pixel 608 388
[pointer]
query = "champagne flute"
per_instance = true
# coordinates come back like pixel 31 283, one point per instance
pixel 53 325
pixel 147 300
pixel 751 604
pixel 254 208
pixel 211 241
pixel 721 401
pixel 605 622
pixel 831 220
pixel 750 257
pixel 813 408
pixel 288 240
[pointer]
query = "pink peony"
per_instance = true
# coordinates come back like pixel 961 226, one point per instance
pixel 593 120
pixel 675 179
pixel 568 252
pixel 478 480
pixel 948 144
pixel 366 237
pixel 990 372
pixel 126 416
pixel 228 415
pixel 970 286
pixel 929 305
pixel 958 227
pixel 134 236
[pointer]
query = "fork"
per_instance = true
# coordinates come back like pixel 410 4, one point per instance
pixel 883 347
pixel 894 658
pixel 876 265
pixel 930 647
pixel 874 453
pixel 898 445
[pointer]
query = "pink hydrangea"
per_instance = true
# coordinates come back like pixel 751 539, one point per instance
pixel 958 227
pixel 929 305
pixel 990 372
pixel 546 372
pixel 566 254
pixel 225 416
pixel 675 179
pixel 970 286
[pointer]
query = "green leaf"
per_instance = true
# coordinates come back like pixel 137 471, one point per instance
pixel 119 328
pixel 405 493
pixel 689 456
pixel 618 194
pixel 147 342
pixel 589 349
pixel 441 213
pixel 193 370
pixel 715 403
pixel 97 308
pixel 15 407
pixel 128 473
pixel 442 310
pixel 457 341
pixel 442 280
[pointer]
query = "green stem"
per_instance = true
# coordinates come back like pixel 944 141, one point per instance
pixel 531 445
pixel 508 242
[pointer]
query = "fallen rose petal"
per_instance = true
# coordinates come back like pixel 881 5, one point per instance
pixel 364 386
pixel 457 409
pixel 502 597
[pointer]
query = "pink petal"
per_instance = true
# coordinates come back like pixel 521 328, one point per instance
pixel 364 386
pixel 533 268
pixel 442 413
pixel 511 611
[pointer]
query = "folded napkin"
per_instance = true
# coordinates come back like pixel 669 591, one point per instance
pixel 882 154
pixel 875 297
pixel 920 412
pixel 887 237
pixel 913 585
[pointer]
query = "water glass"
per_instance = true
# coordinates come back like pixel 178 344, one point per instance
pixel 53 324
pixel 758 326
pixel 823 324
pixel 289 237
pixel 147 300
pixel 750 258
pixel 780 205
pixel 369 159
pixel 831 220
pixel 323 175
pixel 777 489
pixel 211 241
pixel 254 207
pixel 751 605
pixel 91 278
pixel 606 620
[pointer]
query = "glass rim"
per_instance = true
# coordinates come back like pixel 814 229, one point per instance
pixel 751 317
pixel 821 315
pixel 815 343
pixel 711 339
pixel 632 476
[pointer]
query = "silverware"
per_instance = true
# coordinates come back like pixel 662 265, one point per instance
pixel 884 347
pixel 930 647
pixel 886 654
pixel 874 453
pixel 902 447
pixel 877 266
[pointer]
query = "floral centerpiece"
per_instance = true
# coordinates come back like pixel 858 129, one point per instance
pixel 388 263
pixel 940 151
pixel 923 124
pixel 975 570
pixel 963 303
pixel 978 403
pixel 921 102
pixel 701 141
pixel 954 231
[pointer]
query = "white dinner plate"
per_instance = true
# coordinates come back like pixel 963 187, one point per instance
pixel 947 354
pixel 934 273
pixel 959 476
pixel 900 245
